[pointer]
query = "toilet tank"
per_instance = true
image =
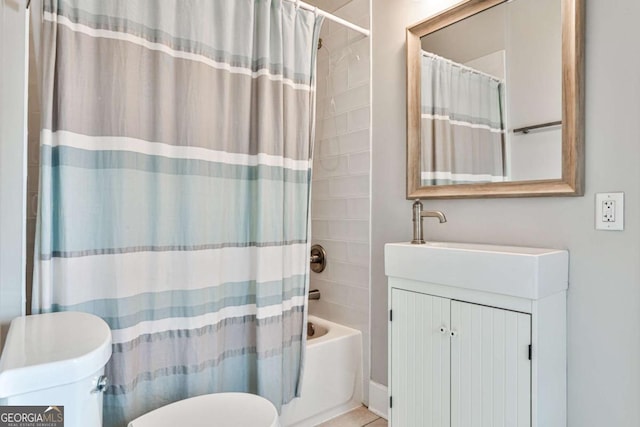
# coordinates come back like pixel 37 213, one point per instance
pixel 57 359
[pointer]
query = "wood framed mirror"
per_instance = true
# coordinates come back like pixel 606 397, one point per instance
pixel 528 138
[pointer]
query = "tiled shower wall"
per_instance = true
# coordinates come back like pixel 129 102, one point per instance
pixel 340 206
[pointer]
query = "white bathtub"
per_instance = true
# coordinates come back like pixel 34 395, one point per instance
pixel 332 379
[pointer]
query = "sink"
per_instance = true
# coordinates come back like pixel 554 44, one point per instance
pixel 531 273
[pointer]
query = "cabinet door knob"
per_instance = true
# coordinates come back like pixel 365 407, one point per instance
pixel 453 333
pixel 443 330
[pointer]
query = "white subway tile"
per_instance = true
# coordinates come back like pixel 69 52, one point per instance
pixel 328 208
pixel 328 26
pixel 358 71
pixel 338 230
pixel 355 36
pixel 332 126
pixel 358 253
pixel 361 47
pixel 356 275
pixel 320 96
pixel 358 297
pixel 337 78
pixel 319 188
pixel 358 119
pixel 335 250
pixel 358 230
pixel 349 230
pixel 322 67
pixel 358 208
pixel 363 21
pixel 339 313
pixel 335 40
pixel 354 98
pixel 331 166
pixel 326 148
pixel 332 292
pixel 350 316
pixel 354 142
pixel 350 186
pixel 320 308
pixel 326 106
pixel 319 229
pixel 359 163
pixel 327 274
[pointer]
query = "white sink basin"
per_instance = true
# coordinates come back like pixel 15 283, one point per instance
pixel 531 273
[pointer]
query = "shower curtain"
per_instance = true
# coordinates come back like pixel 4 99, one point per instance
pixel 462 125
pixel 174 190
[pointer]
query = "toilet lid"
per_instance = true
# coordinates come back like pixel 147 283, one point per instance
pixel 218 409
pixel 49 350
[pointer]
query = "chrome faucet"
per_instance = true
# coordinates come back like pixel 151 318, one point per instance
pixel 418 214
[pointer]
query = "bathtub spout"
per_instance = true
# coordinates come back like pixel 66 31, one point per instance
pixel 314 294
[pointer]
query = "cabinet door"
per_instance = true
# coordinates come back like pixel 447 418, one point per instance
pixel 490 367
pixel 420 360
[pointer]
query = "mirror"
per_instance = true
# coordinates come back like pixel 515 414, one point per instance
pixel 495 100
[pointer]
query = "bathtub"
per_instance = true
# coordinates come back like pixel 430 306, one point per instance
pixel 332 378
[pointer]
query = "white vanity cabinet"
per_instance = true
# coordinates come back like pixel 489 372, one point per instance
pixel 475 337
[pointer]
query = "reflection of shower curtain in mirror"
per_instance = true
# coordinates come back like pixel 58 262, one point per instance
pixel 462 124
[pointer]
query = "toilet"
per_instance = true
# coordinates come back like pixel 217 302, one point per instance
pixel 218 409
pixel 58 359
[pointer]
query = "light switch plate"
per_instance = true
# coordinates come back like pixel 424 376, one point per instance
pixel 610 211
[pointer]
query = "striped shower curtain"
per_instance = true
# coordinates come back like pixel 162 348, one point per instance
pixel 174 190
pixel 462 124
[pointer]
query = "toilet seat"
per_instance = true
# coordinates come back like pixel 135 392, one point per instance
pixel 217 409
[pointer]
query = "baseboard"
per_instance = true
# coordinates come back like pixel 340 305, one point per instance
pixel 378 399
pixel 325 416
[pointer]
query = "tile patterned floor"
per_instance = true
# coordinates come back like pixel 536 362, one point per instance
pixel 357 418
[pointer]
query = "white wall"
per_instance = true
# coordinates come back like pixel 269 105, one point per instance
pixel 534 76
pixel 12 160
pixel 604 293
pixel 340 206
pixel 476 36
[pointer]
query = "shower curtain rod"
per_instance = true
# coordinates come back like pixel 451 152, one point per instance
pixel 317 11
pixel 331 17
pixel 462 66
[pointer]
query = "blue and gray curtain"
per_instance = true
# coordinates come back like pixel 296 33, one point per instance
pixel 174 190
pixel 462 125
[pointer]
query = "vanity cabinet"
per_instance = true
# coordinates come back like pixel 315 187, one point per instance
pixel 461 362
pixel 475 338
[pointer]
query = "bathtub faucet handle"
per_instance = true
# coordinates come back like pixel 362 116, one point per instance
pixel 318 259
